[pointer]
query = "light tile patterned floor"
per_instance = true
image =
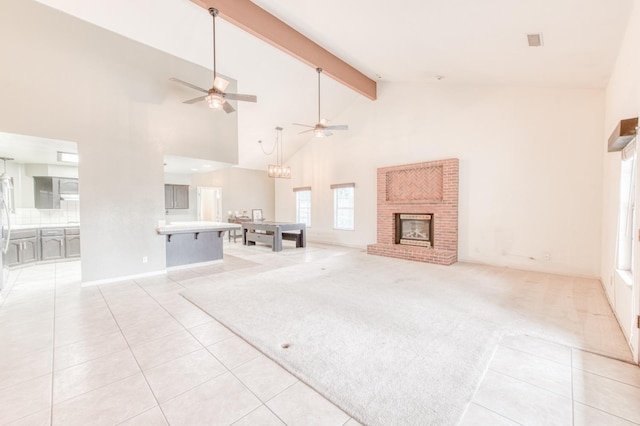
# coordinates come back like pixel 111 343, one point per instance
pixel 137 353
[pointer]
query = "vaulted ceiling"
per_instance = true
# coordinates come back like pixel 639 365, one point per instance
pixel 413 41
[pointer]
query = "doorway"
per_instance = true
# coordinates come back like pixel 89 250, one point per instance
pixel 209 204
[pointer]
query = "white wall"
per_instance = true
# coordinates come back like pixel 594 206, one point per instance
pixel 242 189
pixel 530 169
pixel 68 80
pixel 622 101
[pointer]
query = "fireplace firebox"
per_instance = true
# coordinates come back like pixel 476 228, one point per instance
pixel 414 229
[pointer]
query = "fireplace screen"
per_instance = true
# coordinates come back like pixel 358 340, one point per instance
pixel 414 229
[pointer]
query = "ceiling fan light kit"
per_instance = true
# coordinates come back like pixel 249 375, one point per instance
pixel 216 97
pixel 215 101
pixel 320 133
pixel 321 130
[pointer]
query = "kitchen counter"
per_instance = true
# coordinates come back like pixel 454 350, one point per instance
pixel 196 226
pixel 194 242
pixel 45 225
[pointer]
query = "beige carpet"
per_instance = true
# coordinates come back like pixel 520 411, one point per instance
pixel 385 340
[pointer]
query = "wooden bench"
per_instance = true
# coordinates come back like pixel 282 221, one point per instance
pixel 272 233
pixel 259 237
pixel 293 236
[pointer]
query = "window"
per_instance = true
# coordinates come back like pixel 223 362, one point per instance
pixel 343 206
pixel 303 205
pixel 627 207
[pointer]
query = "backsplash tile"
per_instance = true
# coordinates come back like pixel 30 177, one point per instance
pixel 69 212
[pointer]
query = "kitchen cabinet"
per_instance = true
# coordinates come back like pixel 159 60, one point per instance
pixel 23 248
pixel 52 244
pixel 30 245
pixel 176 196
pixel 72 242
pixel 48 191
pixel 68 186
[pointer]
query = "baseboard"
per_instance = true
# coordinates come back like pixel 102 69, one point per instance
pixel 194 265
pixel 123 278
pixel 524 268
pixel 336 244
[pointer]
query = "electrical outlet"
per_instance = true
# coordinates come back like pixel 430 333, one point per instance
pixel 145 259
pixel 546 256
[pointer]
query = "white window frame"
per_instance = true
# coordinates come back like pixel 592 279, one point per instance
pixel 299 192
pixel 337 209
pixel 628 171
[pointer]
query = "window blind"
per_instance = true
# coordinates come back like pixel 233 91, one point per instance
pixel 343 185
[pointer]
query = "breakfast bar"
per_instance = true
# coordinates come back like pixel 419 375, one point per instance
pixel 194 242
pixel 272 233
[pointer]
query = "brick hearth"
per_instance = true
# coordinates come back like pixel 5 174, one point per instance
pixel 430 187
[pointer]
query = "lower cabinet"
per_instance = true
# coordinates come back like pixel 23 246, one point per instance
pixel 21 251
pixel 72 243
pixel 32 245
pixel 52 244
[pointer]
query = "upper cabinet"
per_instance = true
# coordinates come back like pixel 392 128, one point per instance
pixel 68 187
pixel 176 196
pixel 49 191
pixel 46 194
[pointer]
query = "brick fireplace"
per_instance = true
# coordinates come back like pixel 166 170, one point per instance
pixel 418 212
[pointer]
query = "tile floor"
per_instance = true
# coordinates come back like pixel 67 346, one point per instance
pixel 137 353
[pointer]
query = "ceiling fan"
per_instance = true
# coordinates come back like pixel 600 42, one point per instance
pixel 320 130
pixel 216 96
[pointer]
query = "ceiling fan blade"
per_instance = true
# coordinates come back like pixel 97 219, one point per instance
pixel 194 100
pixel 305 131
pixel 227 107
pixel 239 97
pixel 304 125
pixel 184 83
pixel 220 83
pixel 326 132
pixel 338 127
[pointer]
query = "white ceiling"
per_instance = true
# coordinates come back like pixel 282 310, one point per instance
pixel 32 150
pixel 466 41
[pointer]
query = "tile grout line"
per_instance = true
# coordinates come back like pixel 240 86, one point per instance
pixel 190 333
pixel 247 388
pixel 265 355
pixel 213 355
pixel 608 413
pixel 134 357
pixel 496 413
pixel 203 346
pixel 539 356
pixel 136 415
pixel 531 384
pixel 53 342
pixel 610 357
pixel 257 408
pixel 608 378
pixel 10 289
pixel 573 404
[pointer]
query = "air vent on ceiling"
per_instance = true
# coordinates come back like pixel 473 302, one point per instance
pixel 534 40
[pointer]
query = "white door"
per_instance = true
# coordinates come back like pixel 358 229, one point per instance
pixel 632 296
pixel 209 204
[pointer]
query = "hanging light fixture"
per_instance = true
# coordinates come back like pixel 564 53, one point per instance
pixel 277 170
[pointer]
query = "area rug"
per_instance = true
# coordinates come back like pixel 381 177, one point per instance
pixel 387 350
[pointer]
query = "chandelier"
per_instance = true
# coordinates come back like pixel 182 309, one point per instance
pixel 277 170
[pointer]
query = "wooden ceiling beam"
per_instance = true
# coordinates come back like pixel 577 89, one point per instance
pixel 257 21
